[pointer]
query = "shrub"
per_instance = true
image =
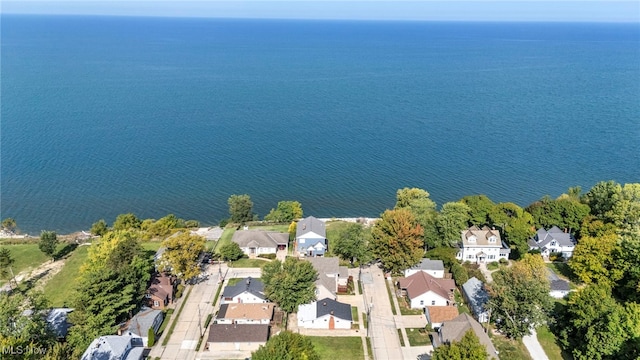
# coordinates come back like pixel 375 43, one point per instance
pixel 151 337
pixel 504 261
pixel 179 291
pixel 223 223
pixel 267 256
pixel 231 251
pixel 460 274
pixel 493 265
pixel 556 256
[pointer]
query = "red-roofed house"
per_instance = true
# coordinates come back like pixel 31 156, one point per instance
pixel 423 290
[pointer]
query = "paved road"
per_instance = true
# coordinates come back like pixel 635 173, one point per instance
pixel 534 347
pixel 383 332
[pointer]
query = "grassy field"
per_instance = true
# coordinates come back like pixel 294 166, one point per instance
pixel 548 341
pixel 510 349
pixel 418 337
pixel 247 263
pixel 225 238
pixel 331 348
pixel 60 287
pixel 27 257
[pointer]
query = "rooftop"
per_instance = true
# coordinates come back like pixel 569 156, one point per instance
pixel 257 238
pixel 228 333
pixel 421 282
pixel 311 224
pixel 253 286
pixel 113 347
pixel 246 311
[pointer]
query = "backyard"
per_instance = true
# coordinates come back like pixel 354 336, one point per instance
pixel 59 288
pixel 332 348
pixel 418 337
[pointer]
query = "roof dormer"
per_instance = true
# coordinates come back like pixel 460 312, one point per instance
pixel 472 239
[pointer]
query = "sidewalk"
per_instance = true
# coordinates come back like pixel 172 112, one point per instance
pixel 533 346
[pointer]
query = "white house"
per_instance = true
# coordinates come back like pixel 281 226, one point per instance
pixel 553 241
pixel 245 314
pixel 233 337
pixel 434 268
pixel 325 314
pixel 477 297
pixel 247 290
pixel 423 290
pixel 254 243
pixel 482 245
pixel 115 347
pixel 311 237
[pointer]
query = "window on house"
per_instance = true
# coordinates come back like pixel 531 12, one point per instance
pixel 492 240
pixel 433 302
pixel 301 241
pixel 148 296
pixel 421 302
pixel 470 256
pixel 156 303
pixel 491 257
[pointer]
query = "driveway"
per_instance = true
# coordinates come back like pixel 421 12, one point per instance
pixel 533 346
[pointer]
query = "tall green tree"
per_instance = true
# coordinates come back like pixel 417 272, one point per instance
pixel 520 296
pixel 564 212
pixel 126 222
pixel 286 211
pixel 286 346
pixel 182 253
pixel 423 209
pixel 516 225
pixel 454 217
pixel 48 243
pixel 480 206
pixel 6 263
pixel 594 260
pixel 468 348
pixel 396 239
pixel 352 243
pixel 99 228
pixel 240 208
pixel 290 284
pixel 9 224
pixel 602 198
pixel 231 251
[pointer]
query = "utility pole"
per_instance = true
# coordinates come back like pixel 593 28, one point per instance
pixel 199 321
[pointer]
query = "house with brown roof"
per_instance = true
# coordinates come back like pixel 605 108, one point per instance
pixel 481 245
pixel 245 313
pixel 160 293
pixel 436 315
pixel 423 290
pixel 454 330
pixel 234 337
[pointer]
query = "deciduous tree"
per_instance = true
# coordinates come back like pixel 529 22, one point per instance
pixel 48 243
pixel 286 211
pixel 520 296
pixel 182 253
pixel 424 211
pixel 286 346
pixel 396 239
pixel 240 208
pixel 231 251
pixel 290 284
pixel 453 218
pixel 9 224
pixel 468 348
pixel 352 243
pixel 594 260
pixel 99 228
pixel 126 222
pixel 480 206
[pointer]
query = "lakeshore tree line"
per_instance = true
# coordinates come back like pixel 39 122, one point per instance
pixel 599 320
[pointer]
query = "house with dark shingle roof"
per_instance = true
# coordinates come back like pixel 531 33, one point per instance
pixel 434 268
pixel 247 290
pixel 254 242
pixel 331 276
pixel 553 240
pixel 477 297
pixel 325 314
pixel 423 290
pixel 482 245
pixel 454 330
pixel 141 322
pixel 234 337
pixel 311 237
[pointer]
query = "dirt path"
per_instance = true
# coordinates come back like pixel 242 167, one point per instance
pixel 39 276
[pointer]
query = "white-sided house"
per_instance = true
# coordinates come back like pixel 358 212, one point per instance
pixel 311 237
pixel 482 245
pixel 423 290
pixel 245 314
pixel 477 297
pixel 254 243
pixel 553 240
pixel 325 314
pixel 434 268
pixel 115 347
pixel 559 288
pixel 233 337
pixel 141 322
pixel 247 290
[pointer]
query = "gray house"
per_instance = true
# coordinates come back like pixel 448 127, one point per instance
pixel 141 322
pixel 254 243
pixel 455 329
pixel 311 237
pixel 477 297
pixel 553 240
pixel 248 290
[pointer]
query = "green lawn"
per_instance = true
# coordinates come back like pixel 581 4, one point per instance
pixel 418 337
pixel 393 308
pixel 354 314
pixel 332 348
pixel 400 336
pixel 225 238
pixel 510 349
pixel 550 345
pixel 462 307
pixel 60 287
pixel 248 263
pixel 333 229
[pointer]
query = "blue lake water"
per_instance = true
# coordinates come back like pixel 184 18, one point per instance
pixel 106 115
